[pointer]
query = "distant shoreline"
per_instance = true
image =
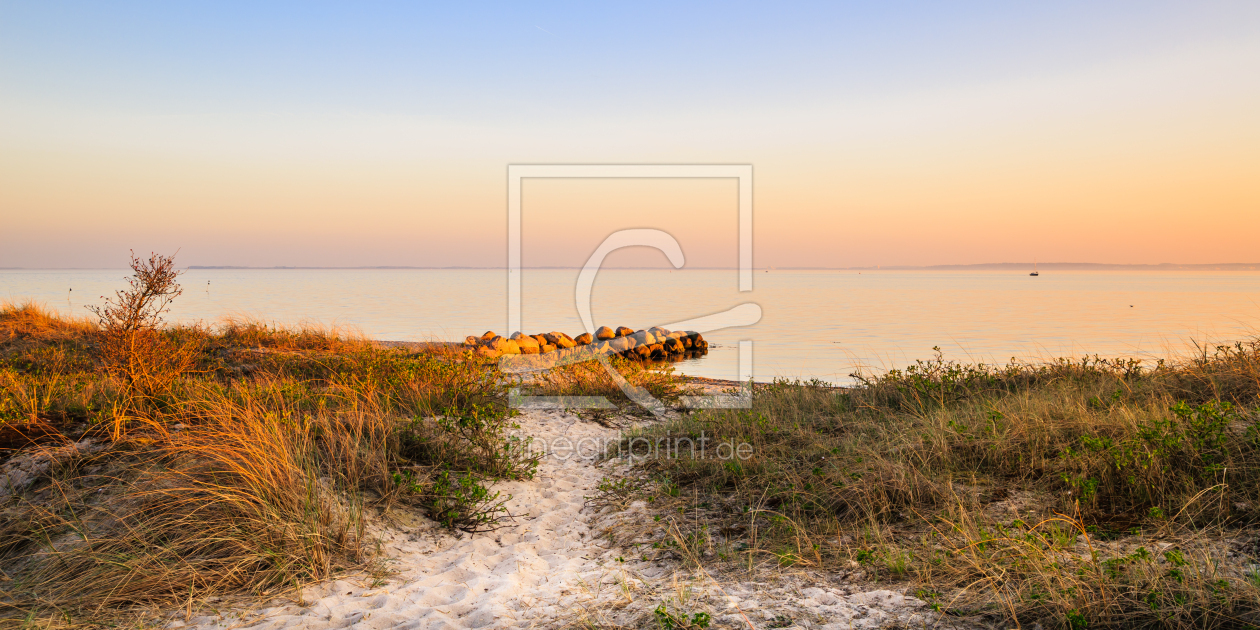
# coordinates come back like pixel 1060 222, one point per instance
pixel 977 267
pixel 1005 266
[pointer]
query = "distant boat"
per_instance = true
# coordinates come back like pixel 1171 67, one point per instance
pixel 1034 271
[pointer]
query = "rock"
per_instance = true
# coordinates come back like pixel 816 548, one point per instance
pixel 527 344
pixel 501 345
pixel 566 342
pixel 559 339
pixel 655 343
pixel 621 344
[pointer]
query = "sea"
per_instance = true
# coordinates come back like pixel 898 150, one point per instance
pixel 821 324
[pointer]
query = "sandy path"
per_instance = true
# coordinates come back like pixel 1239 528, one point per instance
pixel 517 576
pixel 549 567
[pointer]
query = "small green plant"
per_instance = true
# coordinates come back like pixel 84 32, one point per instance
pixel 1076 620
pixel 931 597
pixel 669 621
pixel 897 561
pixel 462 502
pixel 473 437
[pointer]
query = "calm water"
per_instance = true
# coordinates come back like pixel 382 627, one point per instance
pixel 816 323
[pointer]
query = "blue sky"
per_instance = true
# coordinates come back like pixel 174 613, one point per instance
pixel 268 108
pixel 549 61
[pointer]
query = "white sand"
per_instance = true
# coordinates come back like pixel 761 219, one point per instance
pixel 545 569
pixel 23 469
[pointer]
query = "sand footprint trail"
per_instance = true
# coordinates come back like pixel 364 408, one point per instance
pixel 518 576
pixel 548 567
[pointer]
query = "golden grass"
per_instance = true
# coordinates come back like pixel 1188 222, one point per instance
pixel 251 470
pixel 33 321
pixel 247 332
pixel 1020 493
pixel 239 499
pixel 590 378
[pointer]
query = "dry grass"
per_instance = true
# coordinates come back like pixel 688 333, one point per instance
pixel 243 332
pixel 236 503
pixel 1020 492
pixel 250 470
pixel 34 322
pixel 590 378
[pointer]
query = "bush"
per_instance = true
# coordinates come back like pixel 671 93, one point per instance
pixel 131 345
pixel 476 439
pixel 463 502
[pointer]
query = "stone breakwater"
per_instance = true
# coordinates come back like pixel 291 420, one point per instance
pixel 653 344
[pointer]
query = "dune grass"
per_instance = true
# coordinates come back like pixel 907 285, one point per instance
pixel 248 465
pixel 1075 494
pixel 591 378
pixel 167 465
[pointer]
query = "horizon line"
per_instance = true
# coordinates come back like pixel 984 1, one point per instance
pixel 1236 266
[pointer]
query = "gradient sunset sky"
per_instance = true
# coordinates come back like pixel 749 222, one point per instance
pixel 899 133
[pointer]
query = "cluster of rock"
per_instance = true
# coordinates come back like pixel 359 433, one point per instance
pixel 655 344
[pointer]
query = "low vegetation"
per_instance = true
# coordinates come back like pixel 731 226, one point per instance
pixel 1074 494
pixel 151 467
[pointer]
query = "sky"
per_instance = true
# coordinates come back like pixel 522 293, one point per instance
pixel 366 134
